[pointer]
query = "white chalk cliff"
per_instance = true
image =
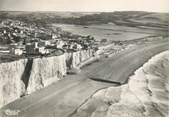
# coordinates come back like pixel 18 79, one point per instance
pixel 25 76
pixel 11 84
pixel 45 71
pixel 73 59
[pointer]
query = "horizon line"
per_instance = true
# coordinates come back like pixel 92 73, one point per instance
pixel 80 11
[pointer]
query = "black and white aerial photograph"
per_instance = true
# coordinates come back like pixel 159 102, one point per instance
pixel 84 58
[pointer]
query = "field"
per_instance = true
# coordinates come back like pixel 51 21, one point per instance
pixel 109 31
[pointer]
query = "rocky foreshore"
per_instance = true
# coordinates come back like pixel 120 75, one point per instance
pixel 145 95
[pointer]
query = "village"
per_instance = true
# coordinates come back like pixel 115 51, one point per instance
pixel 30 40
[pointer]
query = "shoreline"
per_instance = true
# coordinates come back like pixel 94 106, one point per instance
pixel 145 94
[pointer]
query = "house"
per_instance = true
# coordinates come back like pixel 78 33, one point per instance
pixel 31 48
pixel 4 31
pixel 42 50
pixel 60 43
pixel 35 49
pixel 55 36
pixel 16 49
pixel 79 47
pixel 45 43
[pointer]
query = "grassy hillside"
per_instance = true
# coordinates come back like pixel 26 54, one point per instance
pixel 129 18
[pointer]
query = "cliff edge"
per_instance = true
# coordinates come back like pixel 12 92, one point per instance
pixel 24 76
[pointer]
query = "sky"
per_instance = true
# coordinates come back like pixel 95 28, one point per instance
pixel 85 5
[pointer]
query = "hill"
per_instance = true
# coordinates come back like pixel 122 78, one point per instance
pixel 130 18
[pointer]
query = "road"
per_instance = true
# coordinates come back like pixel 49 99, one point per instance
pixel 64 97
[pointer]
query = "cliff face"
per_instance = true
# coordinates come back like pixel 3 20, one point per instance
pixel 11 84
pixel 73 59
pixel 28 75
pixel 45 71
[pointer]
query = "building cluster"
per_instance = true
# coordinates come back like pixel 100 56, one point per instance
pixel 31 40
pixel 10 22
pixel 13 31
pixel 45 47
pixel 11 34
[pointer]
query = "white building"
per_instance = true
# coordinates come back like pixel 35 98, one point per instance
pixel 16 51
pixel 55 36
pixel 60 43
pixel 79 47
pixel 44 43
